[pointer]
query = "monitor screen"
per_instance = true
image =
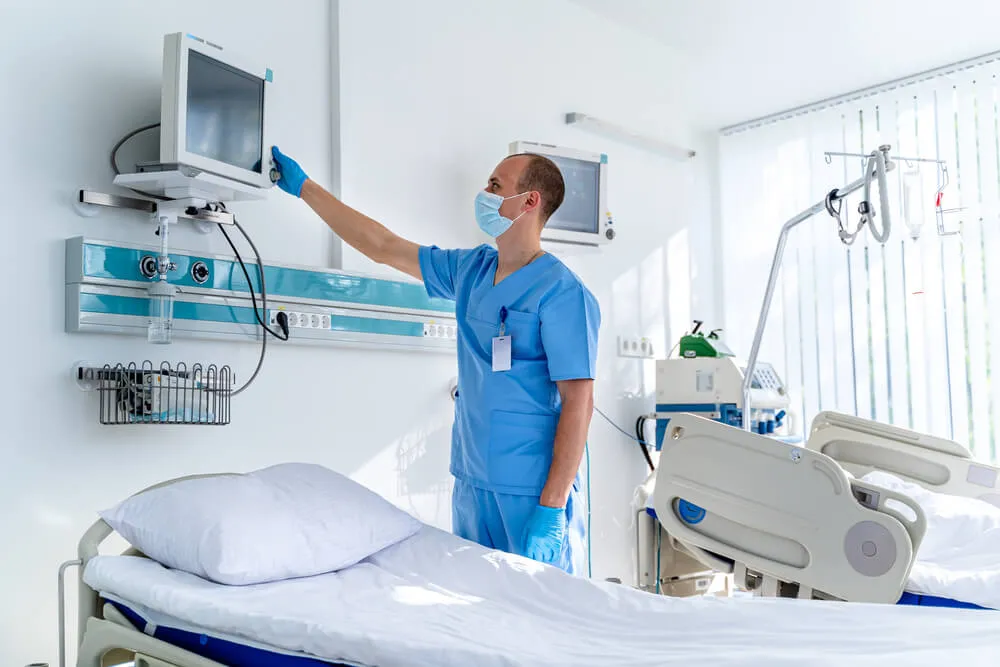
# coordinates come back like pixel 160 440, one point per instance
pixel 225 113
pixel 579 211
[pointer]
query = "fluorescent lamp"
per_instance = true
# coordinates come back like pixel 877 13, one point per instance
pixel 617 133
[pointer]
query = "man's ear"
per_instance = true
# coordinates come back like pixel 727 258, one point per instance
pixel 533 200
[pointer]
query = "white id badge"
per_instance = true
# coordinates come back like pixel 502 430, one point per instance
pixel 501 353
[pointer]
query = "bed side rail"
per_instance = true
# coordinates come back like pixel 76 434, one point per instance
pixel 785 512
pixel 861 446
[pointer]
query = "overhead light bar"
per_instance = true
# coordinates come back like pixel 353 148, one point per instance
pixel 623 135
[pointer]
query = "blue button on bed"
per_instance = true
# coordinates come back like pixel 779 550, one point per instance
pixel 690 513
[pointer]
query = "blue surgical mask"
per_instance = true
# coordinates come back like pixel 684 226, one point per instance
pixel 488 213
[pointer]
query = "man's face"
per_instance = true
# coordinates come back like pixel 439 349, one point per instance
pixel 503 182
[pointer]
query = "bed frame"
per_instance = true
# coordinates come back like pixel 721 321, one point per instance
pixel 105 636
pixel 791 521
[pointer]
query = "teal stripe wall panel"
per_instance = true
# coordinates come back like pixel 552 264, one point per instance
pixel 121 263
pixel 111 304
pixel 107 293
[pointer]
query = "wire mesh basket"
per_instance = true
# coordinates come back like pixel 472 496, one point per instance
pixel 147 394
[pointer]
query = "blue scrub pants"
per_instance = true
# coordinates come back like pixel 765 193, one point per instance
pixel 497 521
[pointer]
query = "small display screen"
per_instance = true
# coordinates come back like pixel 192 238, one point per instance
pixel 580 210
pixel 225 113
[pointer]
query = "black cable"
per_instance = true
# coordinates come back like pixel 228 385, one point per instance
pixel 281 317
pixel 246 274
pixel 282 321
pixel 642 443
pixel 263 342
pixel 640 432
pixel 114 158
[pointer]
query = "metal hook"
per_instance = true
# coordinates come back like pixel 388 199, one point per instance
pixel 834 205
pixel 944 179
pixel 943 168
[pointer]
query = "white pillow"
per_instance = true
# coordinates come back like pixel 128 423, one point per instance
pixel 287 521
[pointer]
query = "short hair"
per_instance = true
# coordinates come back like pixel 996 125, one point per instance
pixel 543 175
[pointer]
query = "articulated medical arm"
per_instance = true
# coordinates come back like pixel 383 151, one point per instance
pixel 786 514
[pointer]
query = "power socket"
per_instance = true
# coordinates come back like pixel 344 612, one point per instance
pixel 299 320
pixel 447 331
pixel 636 347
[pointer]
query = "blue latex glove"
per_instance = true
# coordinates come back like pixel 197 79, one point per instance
pixel 544 534
pixel 292 176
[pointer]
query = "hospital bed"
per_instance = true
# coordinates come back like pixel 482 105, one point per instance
pixel 434 598
pixel 812 521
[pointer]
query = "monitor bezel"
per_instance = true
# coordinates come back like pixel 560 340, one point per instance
pixel 173 108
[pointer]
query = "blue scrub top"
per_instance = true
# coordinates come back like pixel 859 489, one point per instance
pixel 505 421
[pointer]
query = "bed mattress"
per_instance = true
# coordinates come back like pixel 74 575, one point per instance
pixel 439 600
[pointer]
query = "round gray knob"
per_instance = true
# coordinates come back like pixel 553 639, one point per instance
pixel 870 548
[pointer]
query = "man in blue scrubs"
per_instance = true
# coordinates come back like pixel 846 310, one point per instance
pixel 527 349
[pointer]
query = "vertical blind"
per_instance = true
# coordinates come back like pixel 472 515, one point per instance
pixel 908 332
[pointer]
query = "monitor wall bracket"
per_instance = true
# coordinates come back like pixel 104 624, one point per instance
pixel 87 203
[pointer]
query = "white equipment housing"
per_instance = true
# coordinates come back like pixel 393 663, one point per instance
pixel 712 387
pixel 583 221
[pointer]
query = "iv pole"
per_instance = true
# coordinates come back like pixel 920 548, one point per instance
pixel 877 166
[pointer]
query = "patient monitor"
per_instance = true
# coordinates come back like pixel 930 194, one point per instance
pixel 214 135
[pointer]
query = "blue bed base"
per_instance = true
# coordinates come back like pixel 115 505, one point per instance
pixel 932 601
pixel 220 650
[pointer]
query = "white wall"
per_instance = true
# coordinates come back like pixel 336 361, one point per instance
pixel 432 93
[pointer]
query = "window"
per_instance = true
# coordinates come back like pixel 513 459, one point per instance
pixel 907 333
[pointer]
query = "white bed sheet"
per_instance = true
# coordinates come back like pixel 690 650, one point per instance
pixel 436 599
pixel 959 557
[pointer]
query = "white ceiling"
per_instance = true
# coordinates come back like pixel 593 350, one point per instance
pixel 742 59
